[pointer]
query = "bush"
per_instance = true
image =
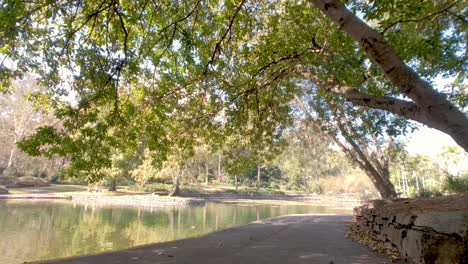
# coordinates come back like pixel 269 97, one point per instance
pixel 54 178
pixel 318 188
pixel 28 181
pixel 428 193
pixel 153 187
pixel 262 191
pixel 10 172
pixel 35 172
pixel 6 180
pixel 275 185
pixel 455 184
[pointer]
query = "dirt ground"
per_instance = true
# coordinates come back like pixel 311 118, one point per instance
pixel 437 204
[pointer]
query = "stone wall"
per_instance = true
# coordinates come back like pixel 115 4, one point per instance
pixel 424 237
pixel 143 201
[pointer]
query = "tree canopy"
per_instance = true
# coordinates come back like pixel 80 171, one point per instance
pixel 176 73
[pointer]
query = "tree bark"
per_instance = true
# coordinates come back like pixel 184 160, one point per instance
pixel 219 168
pixel 376 169
pixel 113 186
pixel 259 171
pixel 12 154
pixel 175 185
pixel 236 182
pixel 207 174
pixel 380 178
pixel 440 113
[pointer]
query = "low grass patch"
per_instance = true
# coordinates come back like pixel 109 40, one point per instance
pixel 48 189
pixel 254 191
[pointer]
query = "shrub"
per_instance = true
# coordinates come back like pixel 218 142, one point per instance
pixel 455 184
pixel 275 185
pixel 54 178
pixel 28 181
pixel 318 188
pixel 10 172
pixel 35 172
pixel 428 193
pixel 152 187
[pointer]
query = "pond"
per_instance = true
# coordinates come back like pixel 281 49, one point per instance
pixel 41 230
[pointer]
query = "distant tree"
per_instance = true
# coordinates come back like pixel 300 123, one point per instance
pixel 452 158
pixel 364 135
pixel 145 171
pixel 120 169
pixel 307 157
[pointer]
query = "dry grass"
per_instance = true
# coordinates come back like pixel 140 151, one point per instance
pixel 353 182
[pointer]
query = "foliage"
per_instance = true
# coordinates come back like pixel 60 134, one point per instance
pixel 151 187
pixel 421 176
pixel 424 193
pixel 145 171
pixel 10 173
pixel 178 75
pixel 19 117
pixel 255 191
pixel 456 184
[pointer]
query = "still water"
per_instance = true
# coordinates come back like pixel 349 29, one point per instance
pixel 40 230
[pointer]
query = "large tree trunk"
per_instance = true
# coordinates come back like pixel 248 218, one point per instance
pixel 219 168
pixel 175 186
pixel 12 154
pixel 113 186
pixel 259 171
pixel 236 183
pixel 431 108
pixel 207 174
pixel 380 180
pixel 375 165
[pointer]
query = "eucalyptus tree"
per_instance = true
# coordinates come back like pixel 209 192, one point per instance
pixel 364 135
pixel 176 71
pixel 308 158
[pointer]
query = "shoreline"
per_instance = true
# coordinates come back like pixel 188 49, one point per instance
pixel 148 200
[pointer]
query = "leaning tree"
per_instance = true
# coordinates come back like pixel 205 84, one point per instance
pixel 175 72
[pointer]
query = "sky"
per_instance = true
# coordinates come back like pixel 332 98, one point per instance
pixel 428 141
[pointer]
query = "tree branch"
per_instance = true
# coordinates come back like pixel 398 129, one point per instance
pixel 220 41
pixel 396 106
pixel 440 113
pixel 446 9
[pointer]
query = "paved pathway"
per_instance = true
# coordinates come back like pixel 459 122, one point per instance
pixel 287 239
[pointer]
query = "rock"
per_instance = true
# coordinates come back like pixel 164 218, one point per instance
pixel 3 190
pixel 395 235
pixel 405 219
pixel 428 237
pixel 445 222
pixel 424 247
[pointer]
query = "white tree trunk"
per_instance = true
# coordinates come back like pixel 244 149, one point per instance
pixel 431 106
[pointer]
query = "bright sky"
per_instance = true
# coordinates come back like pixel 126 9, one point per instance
pixel 428 141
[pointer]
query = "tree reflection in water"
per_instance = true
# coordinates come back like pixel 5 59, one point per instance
pixel 39 230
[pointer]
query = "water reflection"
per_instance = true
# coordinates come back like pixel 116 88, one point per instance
pixel 39 230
